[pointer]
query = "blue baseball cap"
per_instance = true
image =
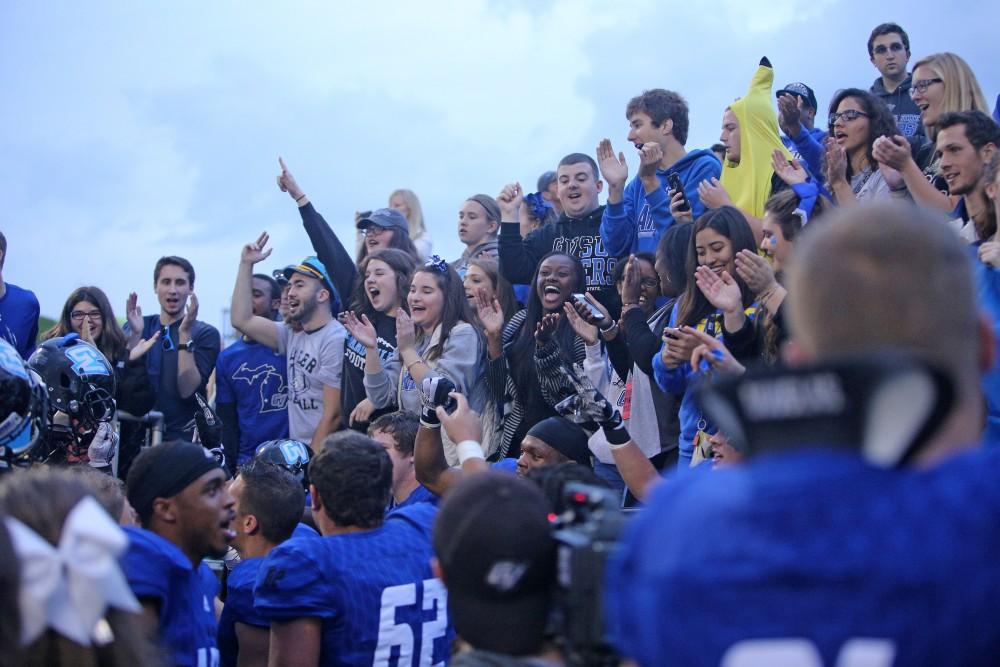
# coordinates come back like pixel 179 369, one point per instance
pixel 312 267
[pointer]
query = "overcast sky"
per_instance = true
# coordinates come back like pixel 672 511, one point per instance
pixel 135 130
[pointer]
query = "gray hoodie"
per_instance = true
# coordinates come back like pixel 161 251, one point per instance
pixel 901 105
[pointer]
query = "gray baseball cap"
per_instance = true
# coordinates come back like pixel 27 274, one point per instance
pixel 387 218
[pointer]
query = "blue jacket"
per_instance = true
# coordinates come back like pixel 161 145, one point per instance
pixel 808 149
pixel 636 222
pixel 988 296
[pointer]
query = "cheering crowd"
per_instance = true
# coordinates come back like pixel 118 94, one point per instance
pixel 775 356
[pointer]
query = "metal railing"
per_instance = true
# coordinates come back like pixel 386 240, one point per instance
pixel 153 425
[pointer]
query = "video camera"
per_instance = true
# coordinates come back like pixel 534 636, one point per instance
pixel 586 535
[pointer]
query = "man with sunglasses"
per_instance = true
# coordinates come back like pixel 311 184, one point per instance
pixel 889 51
pixel 181 363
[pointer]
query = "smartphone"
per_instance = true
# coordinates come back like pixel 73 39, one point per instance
pixel 674 180
pixel 594 310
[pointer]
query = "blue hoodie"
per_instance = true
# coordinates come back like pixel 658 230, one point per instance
pixel 636 222
pixel 808 149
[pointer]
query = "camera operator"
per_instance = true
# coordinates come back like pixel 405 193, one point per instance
pixel 496 555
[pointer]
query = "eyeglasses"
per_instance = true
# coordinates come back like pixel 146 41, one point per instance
pixel 848 115
pixel 649 282
pixel 373 230
pixel 166 341
pixel 922 85
pixel 882 49
pixel 79 315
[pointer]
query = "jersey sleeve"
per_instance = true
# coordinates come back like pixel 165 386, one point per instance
pixel 239 594
pixel 290 585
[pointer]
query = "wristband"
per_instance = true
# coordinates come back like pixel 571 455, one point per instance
pixel 469 449
pixel 413 363
pixel 615 431
pixel 300 198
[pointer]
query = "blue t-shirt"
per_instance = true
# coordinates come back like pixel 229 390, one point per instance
pixel 253 377
pixel 419 495
pixel 239 608
pixel 19 319
pixel 817 555
pixel 157 570
pixel 373 590
pixel 161 363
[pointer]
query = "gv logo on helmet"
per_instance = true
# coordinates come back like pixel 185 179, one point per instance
pixel 87 361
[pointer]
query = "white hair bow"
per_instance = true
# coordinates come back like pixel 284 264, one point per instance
pixel 70 588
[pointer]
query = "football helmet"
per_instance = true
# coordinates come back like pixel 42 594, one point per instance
pixel 292 455
pixel 79 379
pixel 23 406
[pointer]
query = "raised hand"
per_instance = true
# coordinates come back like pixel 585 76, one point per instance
pixel 715 355
pixel 789 115
pixel 722 291
pixel 836 162
pixel 676 201
pixel 286 182
pixel 649 159
pixel 790 172
pixel 755 271
pixel 583 329
pixel 510 200
pixel 143 346
pixel 255 252
pixel 712 194
pixel 545 328
pixel 362 330
pixel 190 316
pixel 406 332
pixel 133 315
pixel 632 282
pixel 490 314
pixel 613 167
pixel 463 423
pixel 892 151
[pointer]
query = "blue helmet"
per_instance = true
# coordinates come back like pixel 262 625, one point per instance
pixel 23 406
pixel 79 379
pixel 292 455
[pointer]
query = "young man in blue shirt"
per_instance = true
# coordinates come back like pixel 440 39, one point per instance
pixel 821 549
pixel 268 508
pixel 179 494
pixel 250 379
pixel 638 213
pixel 18 311
pixel 181 363
pixel 365 591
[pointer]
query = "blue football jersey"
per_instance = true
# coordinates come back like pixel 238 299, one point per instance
pixel 421 494
pixel 158 570
pixel 813 558
pixel 374 591
pixel 239 608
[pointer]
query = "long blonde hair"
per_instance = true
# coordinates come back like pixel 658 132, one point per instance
pixel 961 88
pixel 416 216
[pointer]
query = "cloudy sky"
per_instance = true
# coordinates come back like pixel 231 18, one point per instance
pixel 135 130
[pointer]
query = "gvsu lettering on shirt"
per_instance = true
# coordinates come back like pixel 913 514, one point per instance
pixel 593 256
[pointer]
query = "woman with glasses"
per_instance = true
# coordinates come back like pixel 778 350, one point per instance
pixel 434 339
pixel 941 83
pixel 857 120
pixel 88 313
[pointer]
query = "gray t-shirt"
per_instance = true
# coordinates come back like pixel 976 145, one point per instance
pixel 315 359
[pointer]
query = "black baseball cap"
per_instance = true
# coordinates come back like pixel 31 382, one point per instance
pixel 802 90
pixel 494 544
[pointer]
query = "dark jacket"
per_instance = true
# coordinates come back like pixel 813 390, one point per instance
pixel 901 105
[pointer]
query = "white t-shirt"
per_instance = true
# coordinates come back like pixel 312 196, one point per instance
pixel 315 360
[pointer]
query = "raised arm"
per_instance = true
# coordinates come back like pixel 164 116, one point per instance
pixel 261 329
